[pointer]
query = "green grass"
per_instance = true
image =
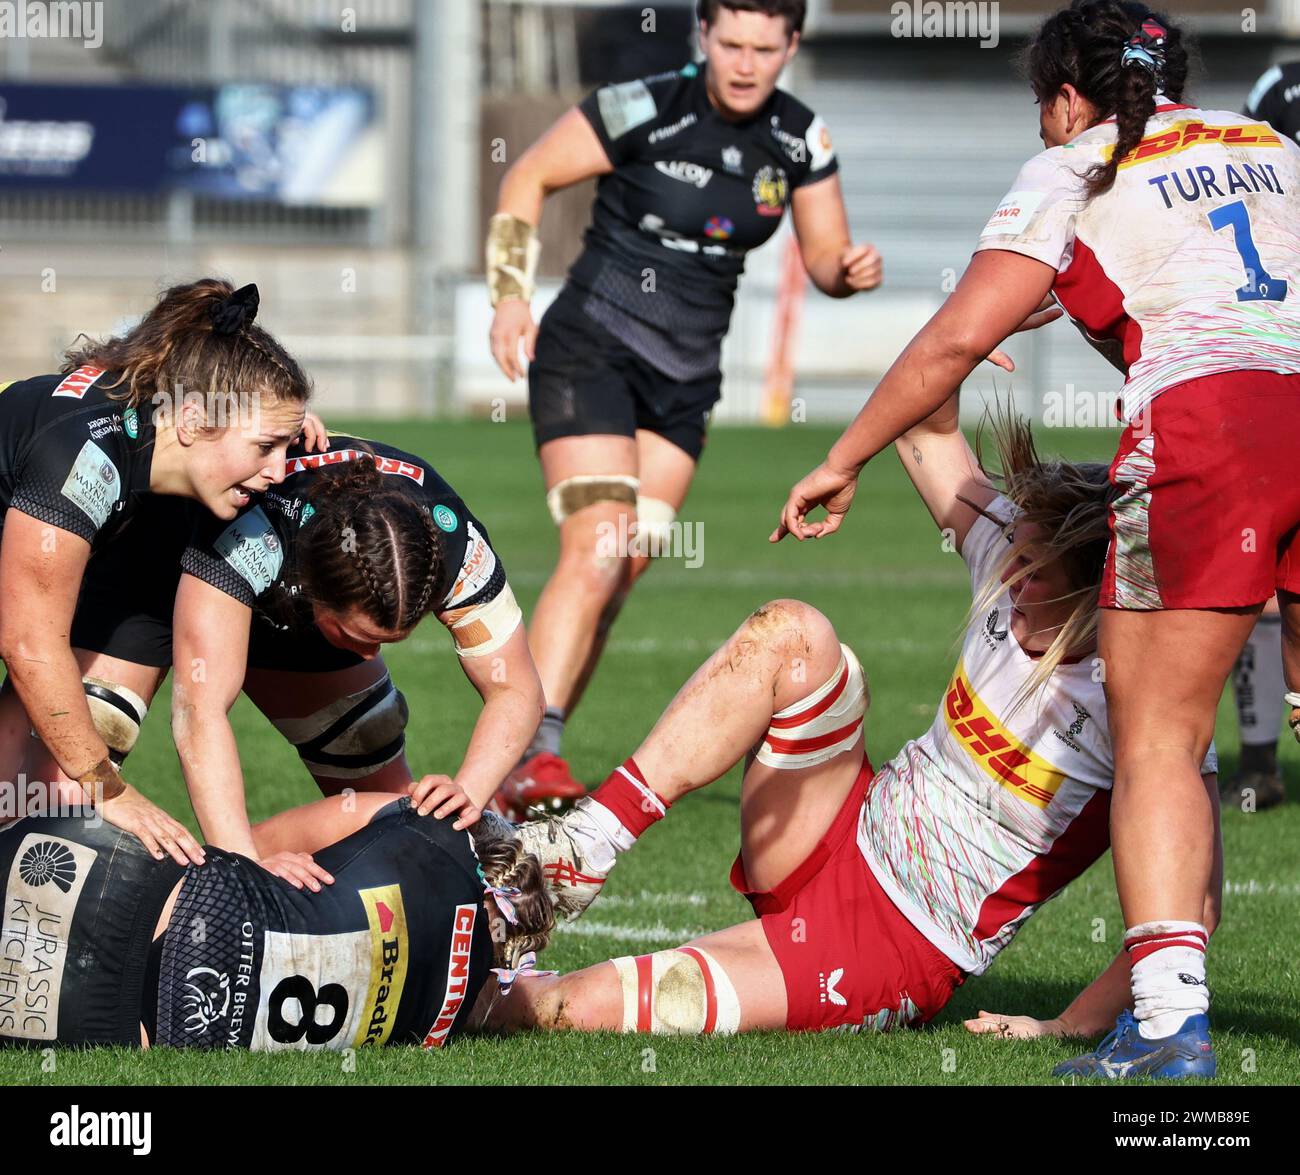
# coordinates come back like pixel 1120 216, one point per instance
pixel 898 599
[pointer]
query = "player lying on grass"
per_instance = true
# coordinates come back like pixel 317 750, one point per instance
pixel 101 943
pixel 877 892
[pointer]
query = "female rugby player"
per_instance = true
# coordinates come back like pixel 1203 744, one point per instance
pixel 878 892
pixel 195 402
pixel 102 942
pixel 696 169
pixel 1172 236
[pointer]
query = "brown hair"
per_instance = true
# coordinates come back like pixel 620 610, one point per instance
pixel 506 864
pixel 177 348
pixel 794 11
pixel 1070 501
pixel 368 545
pixel 1084 45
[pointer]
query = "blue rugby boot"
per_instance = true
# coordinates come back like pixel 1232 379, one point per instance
pixel 1127 1053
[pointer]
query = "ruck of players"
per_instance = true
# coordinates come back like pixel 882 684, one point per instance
pixel 260 554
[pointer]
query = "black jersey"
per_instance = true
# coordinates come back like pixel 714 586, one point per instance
pixel 254 558
pixel 71 455
pixel 689 196
pixel 394 952
pixel 1276 99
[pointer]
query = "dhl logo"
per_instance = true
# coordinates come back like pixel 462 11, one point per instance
pixel 1189 133
pixel 1004 758
pixel 389 951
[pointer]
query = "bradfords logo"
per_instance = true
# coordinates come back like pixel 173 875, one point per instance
pixel 462 938
pixel 1002 756
pixel 389 953
pixel 1183 135
pixel 45 882
pixel 335 457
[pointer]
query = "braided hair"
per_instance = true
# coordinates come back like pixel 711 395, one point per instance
pixel 1119 55
pixel 370 546
pixel 506 864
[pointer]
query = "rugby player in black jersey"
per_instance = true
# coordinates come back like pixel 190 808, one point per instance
pixel 696 168
pixel 102 944
pixel 81 454
pixel 291 603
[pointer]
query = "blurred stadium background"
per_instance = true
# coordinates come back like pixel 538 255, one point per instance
pixel 346 158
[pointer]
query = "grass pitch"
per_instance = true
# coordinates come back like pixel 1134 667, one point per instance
pixel 898 599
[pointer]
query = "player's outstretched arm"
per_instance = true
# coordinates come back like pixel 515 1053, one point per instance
pixel 1094 1010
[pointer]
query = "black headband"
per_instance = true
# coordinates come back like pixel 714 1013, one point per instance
pixel 231 314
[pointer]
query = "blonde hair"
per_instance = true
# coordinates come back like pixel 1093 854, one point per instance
pixel 506 864
pixel 1070 502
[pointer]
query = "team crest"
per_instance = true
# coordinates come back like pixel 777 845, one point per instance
pixel 771 190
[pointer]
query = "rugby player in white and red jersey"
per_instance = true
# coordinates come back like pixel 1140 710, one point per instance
pixel 1171 235
pixel 877 892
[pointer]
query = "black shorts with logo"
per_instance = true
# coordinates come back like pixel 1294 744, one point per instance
pixel 584 382
pixel 81 902
pixel 394 952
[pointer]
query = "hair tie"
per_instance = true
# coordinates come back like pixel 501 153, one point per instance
pixel 1146 50
pixel 501 894
pixel 233 313
pixel 526 968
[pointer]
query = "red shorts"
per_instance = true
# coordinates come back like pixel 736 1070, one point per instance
pixel 1210 508
pixel 848 956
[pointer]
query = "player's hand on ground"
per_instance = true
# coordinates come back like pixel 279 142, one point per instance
pixel 830 488
pixel 1049 311
pixel 314 435
pixel 158 832
pixel 298 869
pixel 862 267
pixel 513 323
pixel 1014 1027
pixel 440 795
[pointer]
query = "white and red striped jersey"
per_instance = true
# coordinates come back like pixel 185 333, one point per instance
pixel 1191 262
pixel 993 810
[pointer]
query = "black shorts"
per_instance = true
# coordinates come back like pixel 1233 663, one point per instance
pixel 585 382
pixel 396 946
pixel 128 597
pixel 81 901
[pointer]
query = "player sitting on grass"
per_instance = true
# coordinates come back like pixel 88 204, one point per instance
pixel 878 892
pixel 103 944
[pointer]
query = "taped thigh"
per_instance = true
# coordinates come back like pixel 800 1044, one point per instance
pixel 354 736
pixel 117 713
pixel 572 494
pixel 822 725
pixel 683 991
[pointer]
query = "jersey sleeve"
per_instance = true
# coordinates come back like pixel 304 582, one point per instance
pixel 1266 99
pixel 1037 217
pixel 241 558
pixel 479 607
pixel 69 480
pixel 622 116
pixel 822 161
pixel 986 541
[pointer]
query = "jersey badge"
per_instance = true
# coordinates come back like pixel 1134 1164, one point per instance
pixel 719 228
pixel 625 107
pixel 733 159
pixel 446 518
pixel 771 190
pixel 93 484
pixel 250 546
pixel 131 422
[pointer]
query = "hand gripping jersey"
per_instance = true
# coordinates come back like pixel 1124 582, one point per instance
pixel 1190 263
pixel 71 455
pixel 689 196
pixel 1276 100
pixel 254 558
pixel 974 825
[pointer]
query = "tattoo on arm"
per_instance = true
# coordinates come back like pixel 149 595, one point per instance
pixel 916 454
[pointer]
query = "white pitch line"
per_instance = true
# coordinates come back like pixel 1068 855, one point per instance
pixel 656 933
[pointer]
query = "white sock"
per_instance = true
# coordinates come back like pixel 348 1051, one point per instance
pixel 1168 975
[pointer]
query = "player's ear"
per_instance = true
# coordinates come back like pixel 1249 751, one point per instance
pixel 190 420
pixel 794 46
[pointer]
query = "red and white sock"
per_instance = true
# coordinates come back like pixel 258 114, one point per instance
pixel 1168 961
pixel 624 806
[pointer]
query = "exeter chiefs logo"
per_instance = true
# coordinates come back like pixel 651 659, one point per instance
pixel 206 999
pixel 771 190
pixel 48 862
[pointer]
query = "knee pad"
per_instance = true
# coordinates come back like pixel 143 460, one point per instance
pixel 820 726
pixel 654 527
pixel 574 493
pixel 684 991
pixel 117 713
pixel 354 736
